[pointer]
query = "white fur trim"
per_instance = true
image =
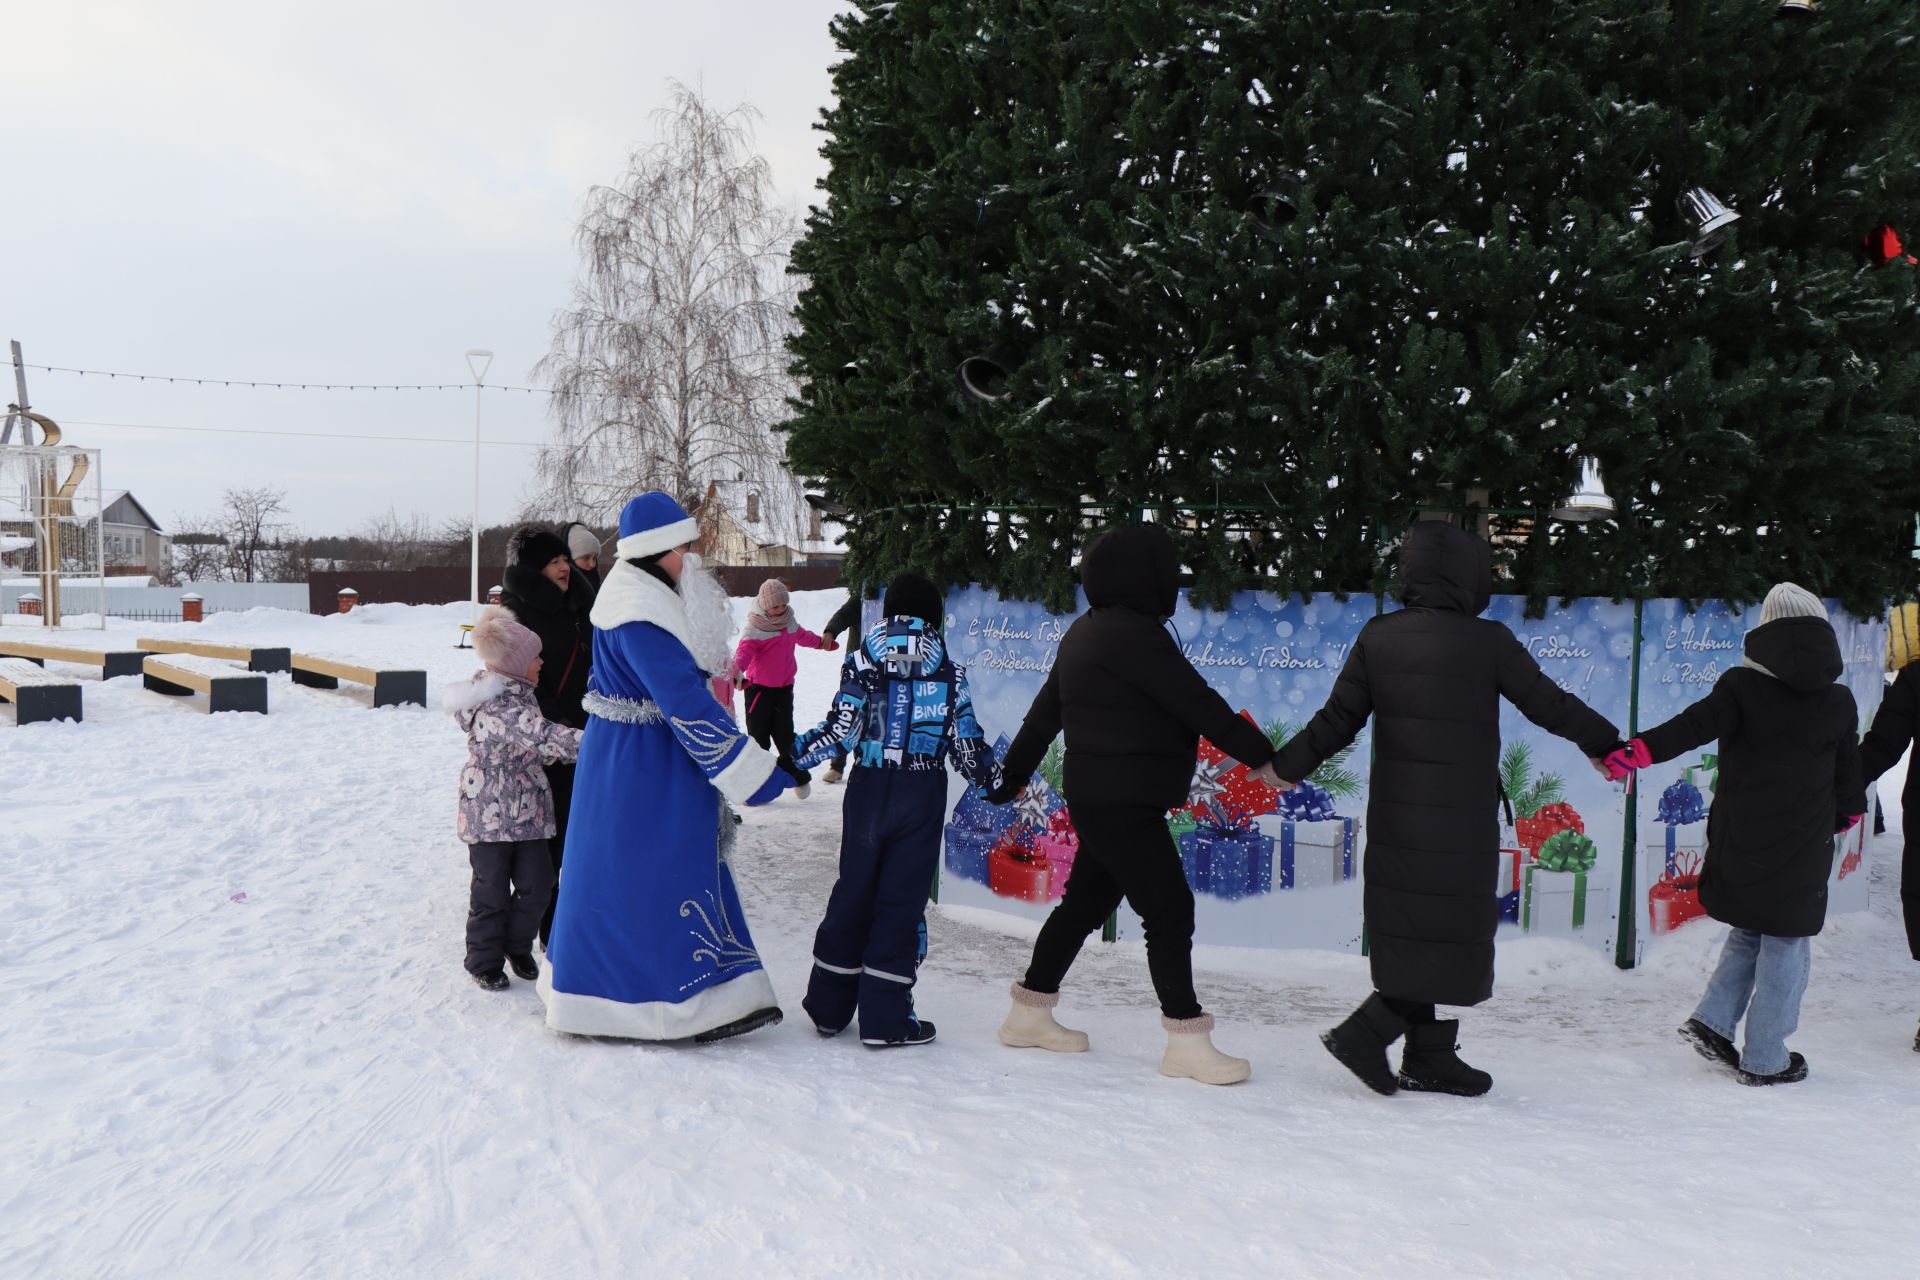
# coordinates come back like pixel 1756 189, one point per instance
pixel 707 1010
pixel 484 688
pixel 652 542
pixel 631 594
pixel 747 774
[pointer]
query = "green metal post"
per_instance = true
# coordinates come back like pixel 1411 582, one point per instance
pixel 1626 937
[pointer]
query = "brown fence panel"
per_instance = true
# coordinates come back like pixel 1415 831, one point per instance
pixel 450 585
pixel 745 580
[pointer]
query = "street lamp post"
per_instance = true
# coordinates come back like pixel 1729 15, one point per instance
pixel 478 361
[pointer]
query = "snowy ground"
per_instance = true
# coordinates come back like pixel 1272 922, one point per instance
pixel 302 1081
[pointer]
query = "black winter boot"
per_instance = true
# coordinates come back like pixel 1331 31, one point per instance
pixel 494 979
pixel 1360 1043
pixel 1793 1073
pixel 740 1026
pixel 525 967
pixel 1431 1062
pixel 1710 1044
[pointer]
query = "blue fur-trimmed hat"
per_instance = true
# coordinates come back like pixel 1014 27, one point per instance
pixel 653 524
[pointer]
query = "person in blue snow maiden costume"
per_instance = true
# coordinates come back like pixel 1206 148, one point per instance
pixel 649 941
pixel 902 711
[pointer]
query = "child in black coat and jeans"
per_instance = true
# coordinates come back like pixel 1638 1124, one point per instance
pixel 1789 780
pixel 1133 710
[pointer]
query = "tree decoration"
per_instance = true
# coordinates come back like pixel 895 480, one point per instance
pixel 1712 220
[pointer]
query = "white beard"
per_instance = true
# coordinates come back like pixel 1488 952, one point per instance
pixel 709 618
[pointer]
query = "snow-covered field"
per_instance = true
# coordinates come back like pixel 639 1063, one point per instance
pixel 236 1040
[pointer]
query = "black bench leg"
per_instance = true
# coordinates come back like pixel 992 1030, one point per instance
pixel 129 663
pixel 400 688
pixel 314 680
pixel 168 687
pixel 35 703
pixel 271 660
pixel 239 693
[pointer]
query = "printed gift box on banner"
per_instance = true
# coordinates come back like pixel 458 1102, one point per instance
pixel 1058 846
pixel 1557 893
pixel 1506 885
pixel 1016 870
pixel 1227 856
pixel 1546 822
pixel 1318 847
pixel 1674 898
pixel 978 826
pixel 1221 783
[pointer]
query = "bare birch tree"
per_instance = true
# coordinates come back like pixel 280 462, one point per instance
pixel 668 367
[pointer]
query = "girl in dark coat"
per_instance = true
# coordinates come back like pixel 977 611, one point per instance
pixel 547 597
pixel 1895 727
pixel 1133 709
pixel 1789 779
pixel 1432 675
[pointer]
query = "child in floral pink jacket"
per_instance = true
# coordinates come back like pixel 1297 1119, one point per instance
pixel 506 809
pixel 767 667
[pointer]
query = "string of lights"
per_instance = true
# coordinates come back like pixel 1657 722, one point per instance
pixel 117 375
pixel 308 435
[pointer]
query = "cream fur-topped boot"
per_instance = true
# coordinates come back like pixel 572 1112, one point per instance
pixel 1191 1056
pixel 1030 1024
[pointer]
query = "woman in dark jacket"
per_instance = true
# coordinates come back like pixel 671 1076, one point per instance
pixel 1432 675
pixel 1789 779
pixel 1895 727
pixel 547 597
pixel 1134 710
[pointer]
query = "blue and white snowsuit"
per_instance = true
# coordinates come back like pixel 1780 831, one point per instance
pixel 903 709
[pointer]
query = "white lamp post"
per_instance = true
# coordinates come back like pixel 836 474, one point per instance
pixel 478 361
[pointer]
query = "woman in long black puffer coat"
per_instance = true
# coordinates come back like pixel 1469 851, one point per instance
pixel 548 598
pixel 1432 675
pixel 1896 726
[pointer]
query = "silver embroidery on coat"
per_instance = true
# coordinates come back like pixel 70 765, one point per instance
pixel 705 741
pixel 622 710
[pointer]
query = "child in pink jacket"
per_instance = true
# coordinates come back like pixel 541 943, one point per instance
pixel 767 667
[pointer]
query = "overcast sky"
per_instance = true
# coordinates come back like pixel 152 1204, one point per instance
pixel 348 192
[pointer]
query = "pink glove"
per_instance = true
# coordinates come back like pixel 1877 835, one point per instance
pixel 1853 820
pixel 1622 762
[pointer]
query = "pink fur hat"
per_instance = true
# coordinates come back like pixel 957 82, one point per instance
pixel 503 644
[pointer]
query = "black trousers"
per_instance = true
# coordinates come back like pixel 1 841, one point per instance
pixel 1910 893
pixel 770 723
pixel 1125 852
pixel 560 782
pixel 512 885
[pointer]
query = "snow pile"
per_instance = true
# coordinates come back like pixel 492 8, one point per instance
pixel 238 1042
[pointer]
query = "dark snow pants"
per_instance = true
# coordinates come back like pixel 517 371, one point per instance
pixel 512 885
pixel 1125 852
pixel 866 954
pixel 770 723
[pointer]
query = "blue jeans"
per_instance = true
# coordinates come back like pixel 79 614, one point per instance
pixel 1763 977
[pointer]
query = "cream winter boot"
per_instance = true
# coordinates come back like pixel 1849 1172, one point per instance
pixel 1191 1055
pixel 1030 1024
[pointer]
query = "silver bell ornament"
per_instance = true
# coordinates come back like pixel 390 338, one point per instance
pixel 984 377
pixel 1712 219
pixel 1798 8
pixel 1589 499
pixel 1274 206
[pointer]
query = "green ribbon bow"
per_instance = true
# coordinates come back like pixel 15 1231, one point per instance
pixel 1568 851
pixel 1709 765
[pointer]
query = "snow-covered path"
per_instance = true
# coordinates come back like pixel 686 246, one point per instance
pixel 304 1082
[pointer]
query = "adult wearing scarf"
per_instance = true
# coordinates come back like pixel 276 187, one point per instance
pixel 649 940
pixel 767 669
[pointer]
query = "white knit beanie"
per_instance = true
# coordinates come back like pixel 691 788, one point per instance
pixel 581 542
pixel 1789 600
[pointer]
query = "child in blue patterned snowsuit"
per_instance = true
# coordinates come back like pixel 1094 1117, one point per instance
pixel 902 710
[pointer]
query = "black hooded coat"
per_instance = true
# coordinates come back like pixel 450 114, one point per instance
pixel 1789 777
pixel 1431 675
pixel 559 618
pixel 1133 708
pixel 1896 727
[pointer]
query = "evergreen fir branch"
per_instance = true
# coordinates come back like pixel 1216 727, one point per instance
pixel 1516 775
pixel 1053 767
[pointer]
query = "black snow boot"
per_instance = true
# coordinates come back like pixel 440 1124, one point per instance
pixel 1916 1042
pixel 524 967
pixel 740 1026
pixel 919 1031
pixel 1794 1072
pixel 1361 1043
pixel 1710 1044
pixel 1431 1062
pixel 494 979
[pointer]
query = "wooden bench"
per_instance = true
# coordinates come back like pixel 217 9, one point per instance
pixel 35 695
pixel 256 659
pixel 390 688
pixel 112 662
pixel 182 676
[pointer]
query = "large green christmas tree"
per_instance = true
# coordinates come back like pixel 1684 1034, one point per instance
pixel 1490 277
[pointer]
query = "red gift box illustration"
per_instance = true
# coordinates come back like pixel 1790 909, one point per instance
pixel 1546 822
pixel 1058 845
pixel 1015 869
pixel 1675 899
pixel 1222 784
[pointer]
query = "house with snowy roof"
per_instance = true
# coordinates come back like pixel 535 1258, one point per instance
pixel 747 522
pixel 135 543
